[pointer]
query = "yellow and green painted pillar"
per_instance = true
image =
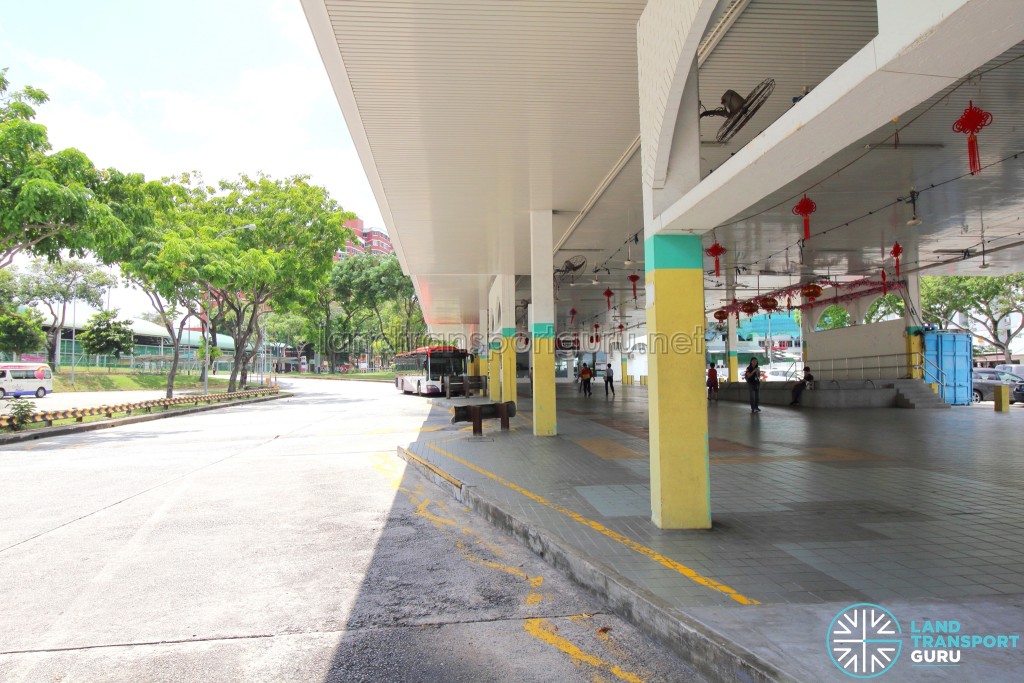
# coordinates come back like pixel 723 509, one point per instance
pixel 731 348
pixel 542 316
pixel 494 370
pixel 680 477
pixel 508 363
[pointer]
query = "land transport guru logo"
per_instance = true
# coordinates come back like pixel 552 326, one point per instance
pixel 865 640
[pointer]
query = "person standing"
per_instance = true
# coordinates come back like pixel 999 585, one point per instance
pixel 712 382
pixel 609 381
pixel 799 387
pixel 753 377
pixel 586 374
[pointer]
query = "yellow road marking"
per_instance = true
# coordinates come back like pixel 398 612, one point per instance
pixel 606 449
pixel 542 630
pixel 649 553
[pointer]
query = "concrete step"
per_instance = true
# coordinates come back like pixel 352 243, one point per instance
pixel 915 394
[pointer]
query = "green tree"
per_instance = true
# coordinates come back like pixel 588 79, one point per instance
pixel 990 304
pixel 20 332
pixel 833 317
pixel 268 241
pixel 883 306
pixel 105 335
pixel 54 201
pixel 56 285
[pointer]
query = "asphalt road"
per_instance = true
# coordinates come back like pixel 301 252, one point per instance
pixel 282 541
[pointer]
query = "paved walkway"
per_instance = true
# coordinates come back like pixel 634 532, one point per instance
pixel 918 511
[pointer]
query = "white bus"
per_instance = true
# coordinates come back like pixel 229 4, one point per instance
pixel 25 379
pixel 422 371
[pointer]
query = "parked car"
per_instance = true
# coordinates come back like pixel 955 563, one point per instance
pixel 985 382
pixel 1018 393
pixel 777 375
pixel 1014 369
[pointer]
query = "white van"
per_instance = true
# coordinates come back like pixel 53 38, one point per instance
pixel 1014 369
pixel 25 379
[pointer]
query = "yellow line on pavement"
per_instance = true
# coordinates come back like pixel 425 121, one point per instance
pixel 649 553
pixel 542 630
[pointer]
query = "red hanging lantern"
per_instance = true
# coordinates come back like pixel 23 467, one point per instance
pixel 721 315
pixel 572 315
pixel 811 291
pixel 621 328
pixel 896 252
pixel 714 251
pixel 769 304
pixel 805 207
pixel 971 122
pixel 789 303
pixel 749 307
pixel 608 294
pixel 597 337
pixel 885 288
pixel 634 278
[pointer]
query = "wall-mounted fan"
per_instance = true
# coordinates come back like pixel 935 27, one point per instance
pixel 571 269
pixel 738 110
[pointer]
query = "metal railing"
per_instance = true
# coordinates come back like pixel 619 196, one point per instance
pixel 878 366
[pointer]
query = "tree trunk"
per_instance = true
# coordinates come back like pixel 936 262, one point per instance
pixel 52 345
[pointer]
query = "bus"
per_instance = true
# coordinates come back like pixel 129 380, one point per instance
pixel 422 371
pixel 25 379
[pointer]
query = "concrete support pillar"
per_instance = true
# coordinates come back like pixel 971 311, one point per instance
pixel 680 480
pixel 542 307
pixel 507 296
pixel 493 359
pixel 912 319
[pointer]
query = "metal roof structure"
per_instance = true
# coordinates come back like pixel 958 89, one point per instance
pixel 467 114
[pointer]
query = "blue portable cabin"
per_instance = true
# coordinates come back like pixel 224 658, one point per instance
pixel 948 361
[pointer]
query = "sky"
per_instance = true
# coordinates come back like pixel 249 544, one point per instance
pixel 217 86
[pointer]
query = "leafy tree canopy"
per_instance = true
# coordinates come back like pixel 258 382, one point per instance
pixel 21 332
pixel 833 317
pixel 104 335
pixel 994 306
pixel 53 201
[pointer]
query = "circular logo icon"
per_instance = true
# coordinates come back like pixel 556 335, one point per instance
pixel 864 640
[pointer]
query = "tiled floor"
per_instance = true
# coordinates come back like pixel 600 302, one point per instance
pixel 810 507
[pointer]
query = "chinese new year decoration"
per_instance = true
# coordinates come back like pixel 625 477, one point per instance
pixel 749 307
pixel 885 287
pixel 811 291
pixel 608 294
pixel 770 304
pixel 721 315
pixel 971 122
pixel 896 252
pixel 572 316
pixel 805 207
pixel 633 277
pixel 715 251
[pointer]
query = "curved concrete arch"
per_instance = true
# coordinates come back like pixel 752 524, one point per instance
pixel 668 35
pixel 819 313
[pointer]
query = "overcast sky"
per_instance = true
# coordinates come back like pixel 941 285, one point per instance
pixel 219 86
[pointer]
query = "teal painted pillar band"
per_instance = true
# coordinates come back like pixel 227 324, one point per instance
pixel 732 353
pixel 543 330
pixel 507 332
pixel 495 346
pixel 673 251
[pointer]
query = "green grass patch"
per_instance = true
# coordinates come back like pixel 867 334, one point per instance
pixel 116 381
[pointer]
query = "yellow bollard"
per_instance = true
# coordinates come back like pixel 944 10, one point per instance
pixel 934 386
pixel 1002 395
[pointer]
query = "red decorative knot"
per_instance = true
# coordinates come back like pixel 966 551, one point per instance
pixel 749 307
pixel 721 315
pixel 596 337
pixel 896 252
pixel 621 327
pixel 789 303
pixel 608 294
pixel 634 278
pixel 769 303
pixel 970 123
pixel 885 287
pixel 736 308
pixel 811 291
pixel 805 207
pixel 714 251
pixel 572 315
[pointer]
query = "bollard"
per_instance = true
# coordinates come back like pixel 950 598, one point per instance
pixel 1002 398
